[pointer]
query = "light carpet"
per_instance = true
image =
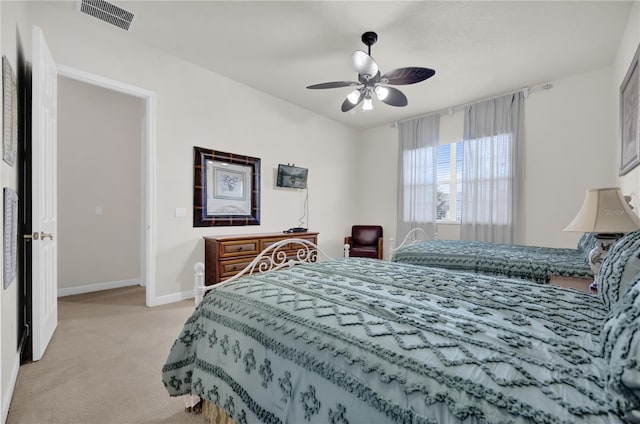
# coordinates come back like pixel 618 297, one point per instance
pixel 104 364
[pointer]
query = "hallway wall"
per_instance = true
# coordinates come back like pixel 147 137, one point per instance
pixel 99 187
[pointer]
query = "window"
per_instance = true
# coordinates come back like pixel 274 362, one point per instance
pixel 489 179
pixel 418 184
pixel 449 183
pixel 449 196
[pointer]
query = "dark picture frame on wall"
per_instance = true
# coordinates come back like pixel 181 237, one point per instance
pixel 630 117
pixel 226 189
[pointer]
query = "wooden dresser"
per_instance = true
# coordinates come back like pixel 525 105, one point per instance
pixel 225 256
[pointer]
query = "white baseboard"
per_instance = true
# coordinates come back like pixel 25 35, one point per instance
pixel 157 301
pixel 172 298
pixel 7 392
pixel 98 287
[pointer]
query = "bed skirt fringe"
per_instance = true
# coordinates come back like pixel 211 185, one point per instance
pixel 215 414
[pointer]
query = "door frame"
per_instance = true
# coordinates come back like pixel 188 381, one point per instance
pixel 149 160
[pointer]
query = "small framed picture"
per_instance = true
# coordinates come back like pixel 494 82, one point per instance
pixel 229 183
pixel 226 189
pixel 630 117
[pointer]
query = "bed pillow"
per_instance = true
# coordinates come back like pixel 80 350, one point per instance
pixel 620 342
pixel 619 268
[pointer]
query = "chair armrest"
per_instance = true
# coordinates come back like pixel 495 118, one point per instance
pixel 380 250
pixel 347 240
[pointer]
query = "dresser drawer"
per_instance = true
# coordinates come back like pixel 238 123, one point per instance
pixel 232 267
pixel 234 249
pixel 266 243
pixel 225 256
pixel 292 247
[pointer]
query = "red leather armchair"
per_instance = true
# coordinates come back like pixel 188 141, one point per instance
pixel 365 241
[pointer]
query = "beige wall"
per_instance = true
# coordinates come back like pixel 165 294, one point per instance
pixel 630 182
pixel 377 167
pixel 567 150
pixel 99 166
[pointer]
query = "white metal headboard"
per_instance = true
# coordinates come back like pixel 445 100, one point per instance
pixel 272 258
pixel 416 235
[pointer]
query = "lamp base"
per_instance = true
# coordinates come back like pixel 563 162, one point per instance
pixel 604 241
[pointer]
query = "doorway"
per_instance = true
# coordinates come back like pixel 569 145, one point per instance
pixel 99 188
pixel 41 320
pixel 147 193
pixel 146 180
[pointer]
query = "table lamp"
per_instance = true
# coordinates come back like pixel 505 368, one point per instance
pixel 607 214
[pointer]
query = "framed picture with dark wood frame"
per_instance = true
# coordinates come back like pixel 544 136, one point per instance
pixel 226 189
pixel 630 117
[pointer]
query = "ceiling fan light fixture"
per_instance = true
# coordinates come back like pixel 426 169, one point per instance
pixel 382 92
pixel 367 104
pixel 354 96
pixel 371 81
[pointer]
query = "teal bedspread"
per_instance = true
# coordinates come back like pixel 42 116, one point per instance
pixel 365 341
pixel 527 262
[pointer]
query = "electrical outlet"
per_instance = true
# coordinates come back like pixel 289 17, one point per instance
pixel 181 212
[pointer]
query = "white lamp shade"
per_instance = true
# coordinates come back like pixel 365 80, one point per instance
pixel 604 210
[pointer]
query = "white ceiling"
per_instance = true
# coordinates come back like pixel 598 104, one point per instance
pixel 478 49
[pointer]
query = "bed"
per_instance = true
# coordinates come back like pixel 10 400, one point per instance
pixel 534 263
pixel 361 340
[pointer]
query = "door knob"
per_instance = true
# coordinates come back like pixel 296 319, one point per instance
pixel 35 236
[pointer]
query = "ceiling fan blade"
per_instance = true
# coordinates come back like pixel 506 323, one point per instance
pixel 395 97
pixel 404 76
pixel 335 84
pixel 347 105
pixel 363 63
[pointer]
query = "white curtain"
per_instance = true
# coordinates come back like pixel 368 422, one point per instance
pixel 492 170
pixel 417 177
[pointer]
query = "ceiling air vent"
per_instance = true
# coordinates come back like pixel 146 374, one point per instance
pixel 107 12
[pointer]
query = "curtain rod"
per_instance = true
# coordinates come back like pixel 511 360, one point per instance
pixel 526 91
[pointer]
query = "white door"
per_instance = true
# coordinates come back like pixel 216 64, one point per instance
pixel 44 195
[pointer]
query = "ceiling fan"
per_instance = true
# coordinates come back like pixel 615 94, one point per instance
pixel 374 83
